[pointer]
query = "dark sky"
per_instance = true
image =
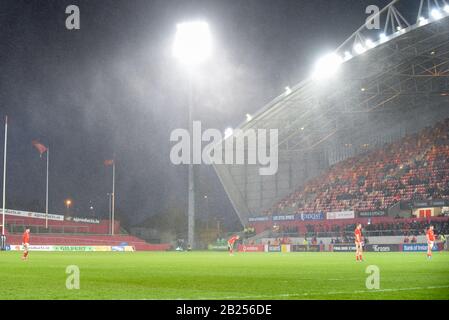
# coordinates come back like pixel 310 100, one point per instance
pixel 113 87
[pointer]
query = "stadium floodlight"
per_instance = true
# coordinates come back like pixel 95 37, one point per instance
pixel 369 43
pixel 348 55
pixel 228 132
pixel 423 21
pixel 327 66
pixel 359 48
pixel 288 91
pixel 192 46
pixel 383 37
pixel 436 14
pixel 249 117
pixel 193 43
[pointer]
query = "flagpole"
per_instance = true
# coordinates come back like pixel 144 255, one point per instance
pixel 113 195
pixel 4 175
pixel 46 192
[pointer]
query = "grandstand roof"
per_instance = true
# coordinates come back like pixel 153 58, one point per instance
pixel 398 84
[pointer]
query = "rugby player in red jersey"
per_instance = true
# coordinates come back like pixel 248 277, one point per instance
pixel 231 243
pixel 25 243
pixel 430 241
pixel 358 242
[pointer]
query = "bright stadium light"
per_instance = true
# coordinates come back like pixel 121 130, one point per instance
pixel 383 37
pixel 359 49
pixel 193 42
pixel 369 43
pixel 228 132
pixel 249 117
pixel 422 21
pixel 288 91
pixel 327 66
pixel 436 14
pixel 348 56
pixel 446 8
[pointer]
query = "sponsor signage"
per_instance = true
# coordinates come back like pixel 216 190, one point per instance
pixel 420 204
pixel 370 214
pixel 343 247
pixel 382 247
pixel 439 203
pixel 217 247
pixel 55 217
pixel 251 248
pixel 340 215
pixel 274 248
pixel 37 215
pixel 84 220
pixel 310 216
pixel 430 203
pixel 303 248
pixel 31 248
pixel 72 248
pixel 258 219
pixel 418 247
pixel 102 248
pixel 123 248
pixel 284 218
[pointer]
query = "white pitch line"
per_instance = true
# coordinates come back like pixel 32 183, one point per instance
pixel 287 295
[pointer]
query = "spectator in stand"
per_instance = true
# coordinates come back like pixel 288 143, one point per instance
pixel 406 239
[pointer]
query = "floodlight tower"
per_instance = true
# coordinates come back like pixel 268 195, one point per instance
pixel 192 47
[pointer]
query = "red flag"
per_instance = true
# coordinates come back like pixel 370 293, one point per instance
pixel 39 146
pixel 108 162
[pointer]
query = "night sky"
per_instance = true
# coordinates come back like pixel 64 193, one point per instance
pixel 113 88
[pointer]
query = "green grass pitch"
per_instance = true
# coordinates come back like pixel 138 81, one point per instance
pixel 215 275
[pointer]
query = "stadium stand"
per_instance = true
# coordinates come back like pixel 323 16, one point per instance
pixel 413 168
pixel 71 233
pixel 88 240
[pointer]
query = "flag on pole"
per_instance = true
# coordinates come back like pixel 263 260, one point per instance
pixel 40 147
pixel 108 162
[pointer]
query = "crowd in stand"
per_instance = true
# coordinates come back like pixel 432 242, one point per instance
pixel 413 168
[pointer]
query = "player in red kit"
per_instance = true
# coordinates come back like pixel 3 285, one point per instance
pixel 26 243
pixel 231 243
pixel 430 241
pixel 358 242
